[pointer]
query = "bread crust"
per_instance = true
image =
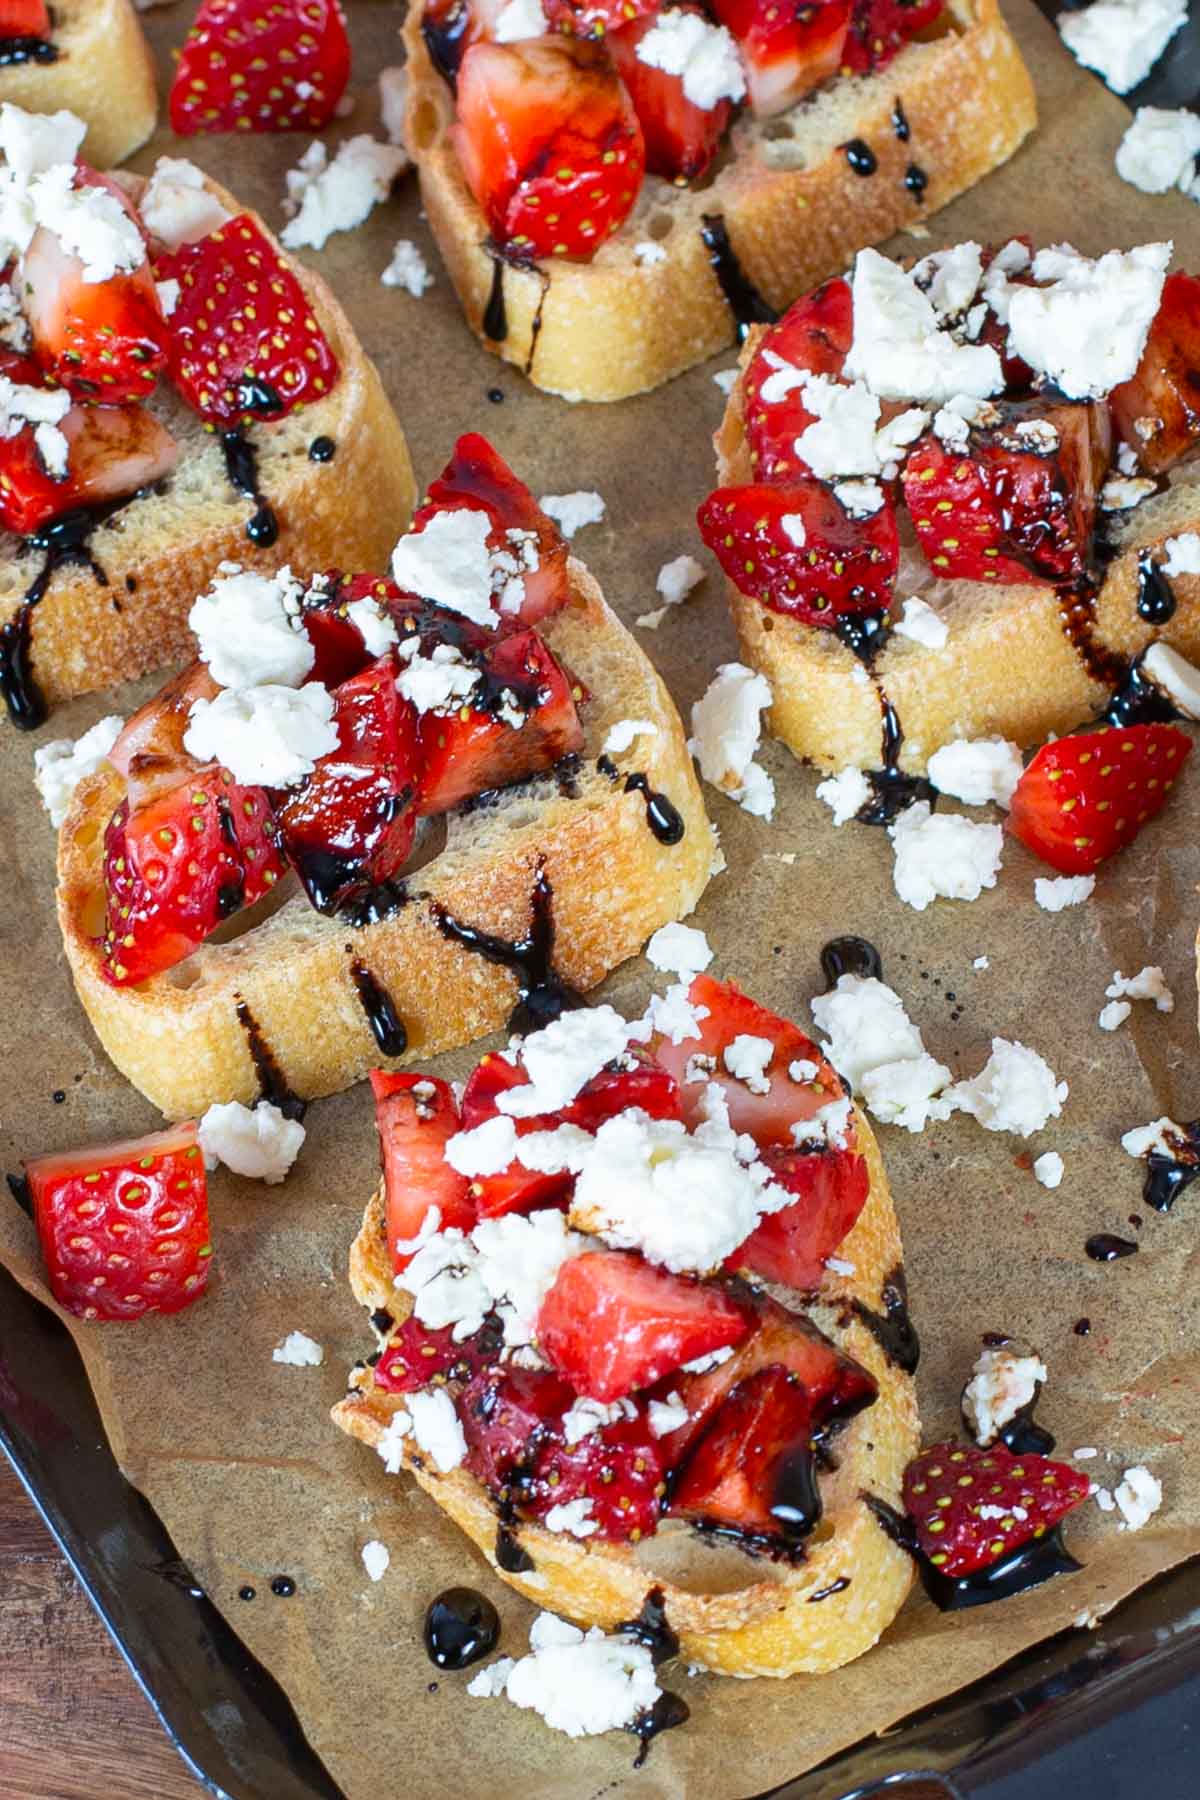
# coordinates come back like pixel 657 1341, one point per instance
pixel 613 327
pixel 178 1038
pixel 757 1617
pixel 104 74
pixel 1008 667
pixel 162 549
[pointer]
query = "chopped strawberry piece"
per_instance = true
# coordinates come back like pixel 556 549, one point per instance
pixel 506 1415
pixel 478 477
pixel 549 143
pixel 448 28
pixel 681 138
pixel 1157 410
pixel 177 867
pixel 879 28
pixel 101 340
pixel 813 335
pixel 416 1115
pixel 124 1227
pixel 798 550
pixel 415 1356
pixel 612 1323
pixel 243 339
pixel 111 451
pixel 149 751
pixel 831 1187
pixel 787 50
pixel 596 18
pixel 522 721
pixel 954 1492
pixel 336 640
pixel 351 823
pixel 247 67
pixel 753 1471
pixel 1085 797
pixel 24 19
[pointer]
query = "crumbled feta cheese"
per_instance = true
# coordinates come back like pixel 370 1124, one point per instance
pixel 31 142
pixel 665 1416
pixel 841 440
pixel 837 1265
pixel 484 1150
pixel 747 1058
pixel 1177 678
pixel 53 450
pixel 407 269
pixel 587 1416
pixel 898 348
pixel 866 1027
pixel 489 1683
pixel 519 1258
pixel 677 578
pixel 268 736
pixel 580 1685
pixel 726 379
pixel 895 437
pixel 324 197
pixel 671 1014
pixel 448 562
pixel 257 1142
pixel 1148 984
pixel 1087 329
pixel 1122 492
pixel 725 734
pixel 919 621
pixel 1121 39
pixel 299 1350
pixel 562 1057
pixel 447 1289
pixel 574 1517
pixel 650 621
pixel 803 1070
pixel 700 1365
pixel 977 771
pixel 943 855
pixel 248 629
pixel 520 19
pixel 1055 892
pixel 571 512
pixel 439 682
pixel 89 222
pixel 393 100
pixel 1158 151
pixel 647 253
pixel 375 626
pixel 680 950
pixel 951 278
pixel 60 766
pixel 845 794
pixel 1048 1169
pixel 704 56
pixel 176 207
pixel 981 962
pixel 21 406
pixel 1138 1497
pixel 436 1428
pixel 375 1559
pixel 1085 1453
pixel 1002 1384
pixel 168 296
pixel 1163 1137
pixel 1103 1499
pixel 906 1092
pixel 1182 554
pixel 625 732
pixel 861 499
pixel 1127 459
pixel 1114 1015
pixel 391 1445
pixel 1016 1090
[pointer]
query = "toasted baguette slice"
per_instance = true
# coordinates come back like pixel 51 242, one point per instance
pixel 734 1613
pixel 178 1036
pixel 160 550
pixel 103 73
pixel 1012 663
pixel 794 210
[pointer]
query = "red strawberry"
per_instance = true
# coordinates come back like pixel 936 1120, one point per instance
pixel 612 1323
pixel 478 747
pixel 618 1468
pixel 753 1470
pixel 879 28
pixel 178 866
pixel 124 1227
pixel 415 1115
pixel 248 67
pixel 149 751
pixel 1085 797
pixel 506 1414
pixel 242 324
pixel 336 640
pixel 111 450
pixel 681 138
pixel 952 1493
pixel 822 567
pixel 788 50
pixel 596 18
pixel 415 1356
pixel 477 476
pixel 957 518
pixel 24 19
pixel 1155 410
pixel 831 1188
pixel 813 335
pixel 549 143
pixel 350 824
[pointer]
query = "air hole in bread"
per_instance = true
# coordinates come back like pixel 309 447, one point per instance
pixel 185 974
pixel 778 128
pixel 93 913
pixel 660 226
pixel 767 622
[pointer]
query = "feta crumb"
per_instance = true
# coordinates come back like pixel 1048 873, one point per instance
pixel 844 794
pixel 326 197
pixel 1163 1137
pixel 61 765
pixel 748 1058
pixel 448 562
pixel 407 269
pixel 393 99
pixel 268 736
pixel 898 348
pixel 1113 1015
pixel 1085 1453
pixel 587 1416
pixel 1002 1384
pixel 977 771
pixel 680 950
pixel 1016 1090
pixel 258 1143
pixel 726 729
pixel 1121 39
pixel 861 499
pixel 1158 151
pixel 665 1416
pixel 837 1265
pixel 943 855
pixel 436 1427
pixel 248 629
pixel 439 682
pixel 866 1026
pixel 490 1682
pixel 1177 678
pixel 907 1092
pixel 981 962
pixel 803 1071
pixel 650 621
pixel 1121 493
pixel 562 1057
pixel 919 622
pixel 1103 1499
pixel 571 512
pixel 1182 554
pixel 176 207
pixel 299 1350
pixel 1054 893
pixel 677 578
pixel 726 379
pixel 1087 328
pixel 672 1014
pixel 579 1684
pixel 1148 984
pixel 647 253
pixel 1138 1497
pixel 375 1558
pixel 700 1365
pixel 1048 1169
pixel 375 626
pixel 624 732
pixel 704 56
pixel 520 19
pixel 573 1517
pixel 390 1445
pixel 484 1150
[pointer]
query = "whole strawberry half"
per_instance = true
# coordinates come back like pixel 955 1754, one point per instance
pixel 970 1507
pixel 124 1227
pixel 242 328
pixel 251 67
pixel 1085 797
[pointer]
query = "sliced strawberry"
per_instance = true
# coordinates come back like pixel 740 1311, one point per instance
pixel 351 823
pixel 448 27
pixel 149 751
pixel 822 567
pixel 177 867
pixel 879 28
pixel 788 50
pixel 954 1492
pixel 549 143
pixel 478 477
pixel 753 1472
pixel 415 1356
pixel 1157 410
pixel 681 138
pixel 831 1187
pixel 336 640
pixel 596 18
pixel 612 1323
pixel 101 340
pixel 416 1115
pixel 124 1227
pixel 248 67
pixel 24 19
pixel 1085 797
pixel 813 335
pixel 483 746
pixel 506 1415
pixel 242 328
pixel 111 451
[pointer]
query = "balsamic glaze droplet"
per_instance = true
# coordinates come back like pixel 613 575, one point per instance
pixel 668 1711
pixel 460 1627
pixel 850 956
pixel 18 1187
pixel 496 396
pixel 509 1554
pixel 272 1084
pixel 241 465
pixel 826 1593
pixel 1024 1436
pixel 1082 1327
pixel 916 181
pixel 1028 1566
pixel 387 1027
pixel 1139 701
pixel 662 815
pixel 900 123
pixel 860 156
pixel 1156 596
pixel 651 1628
pixel 1105 1246
pixel 322 450
pixel 1169 1176
pixel 247 1592
pixel 283 1586
pixel 381 1320
pixel 795 1496
pixel 494 323
pixel 14 50
pixel 741 296
pixel 864 633
pixel 254 395
pixel 892 1329
pixel 262 527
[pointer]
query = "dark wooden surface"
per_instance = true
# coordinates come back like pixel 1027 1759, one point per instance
pixel 73 1723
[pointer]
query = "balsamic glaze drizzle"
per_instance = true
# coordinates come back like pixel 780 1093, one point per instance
pixel 272 1085
pixel 460 1627
pixel 916 181
pixel 63 540
pixel 1028 1566
pixel 826 1593
pixel 445 40
pixel 892 1328
pixel 741 296
pixel 494 323
pixel 1169 1176
pixel 509 1554
pixel 1137 701
pixel 1155 596
pixel 668 1711
pixel 542 995
pixel 662 815
pixel 651 1628
pixel 1106 1246
pixel 15 50
pixel 900 123
pixel 850 956
pixel 241 465
pixel 387 1027
pixel 176 1571
pixel 18 1187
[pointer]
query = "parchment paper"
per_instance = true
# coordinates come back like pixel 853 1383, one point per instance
pixel 236 1452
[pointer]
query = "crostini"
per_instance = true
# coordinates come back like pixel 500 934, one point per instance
pixel 87 57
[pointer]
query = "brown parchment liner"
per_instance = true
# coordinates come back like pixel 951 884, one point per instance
pixel 237 1454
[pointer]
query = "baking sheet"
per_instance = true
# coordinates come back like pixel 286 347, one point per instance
pixel 236 1453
